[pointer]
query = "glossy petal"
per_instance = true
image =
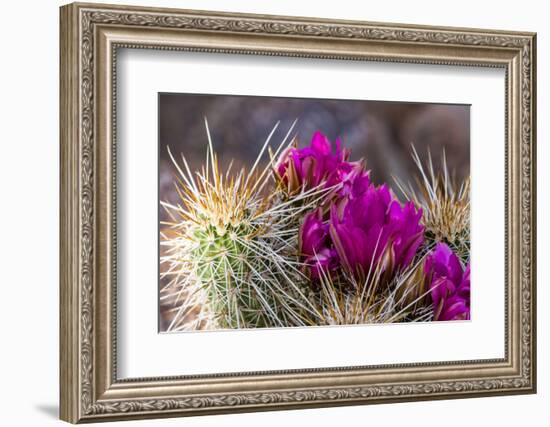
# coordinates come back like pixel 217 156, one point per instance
pixel 320 143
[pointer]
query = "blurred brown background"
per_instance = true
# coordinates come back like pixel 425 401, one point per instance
pixel 380 132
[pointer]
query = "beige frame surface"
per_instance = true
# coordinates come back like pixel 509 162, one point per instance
pixel 90 36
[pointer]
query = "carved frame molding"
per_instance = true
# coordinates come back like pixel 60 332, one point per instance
pixel 90 37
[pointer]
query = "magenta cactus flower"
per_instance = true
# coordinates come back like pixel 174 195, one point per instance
pixel 315 245
pixel 464 287
pixel 310 167
pixel 362 227
pixel 371 226
pixel 449 284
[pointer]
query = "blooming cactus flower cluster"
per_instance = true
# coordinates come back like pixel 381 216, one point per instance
pixel 366 257
pixel 449 284
pixel 363 227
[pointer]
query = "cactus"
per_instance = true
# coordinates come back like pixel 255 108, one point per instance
pixel 232 250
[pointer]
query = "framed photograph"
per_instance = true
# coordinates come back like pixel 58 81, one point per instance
pixel 266 212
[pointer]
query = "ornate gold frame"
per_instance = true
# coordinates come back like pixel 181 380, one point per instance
pixel 90 36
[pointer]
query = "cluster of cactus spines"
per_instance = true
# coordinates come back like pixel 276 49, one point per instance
pixel 445 206
pixel 347 300
pixel 232 253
